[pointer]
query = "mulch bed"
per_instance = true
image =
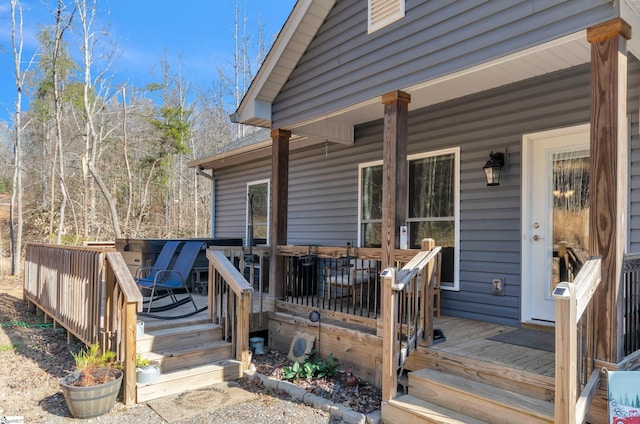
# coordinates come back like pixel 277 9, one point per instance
pixel 363 397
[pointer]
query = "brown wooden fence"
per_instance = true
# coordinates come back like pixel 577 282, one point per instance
pixel 90 292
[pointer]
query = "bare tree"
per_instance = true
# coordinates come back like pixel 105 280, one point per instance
pixel 62 24
pixel 86 13
pixel 16 195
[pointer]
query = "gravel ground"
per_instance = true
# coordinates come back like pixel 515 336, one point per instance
pixel 34 358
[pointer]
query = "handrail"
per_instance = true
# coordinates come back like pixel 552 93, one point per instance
pixel 123 301
pixel 414 266
pixel 573 312
pixel 225 268
pixel 89 291
pixel 227 284
pixel 407 317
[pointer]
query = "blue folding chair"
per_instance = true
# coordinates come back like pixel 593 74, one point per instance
pixel 146 274
pixel 165 282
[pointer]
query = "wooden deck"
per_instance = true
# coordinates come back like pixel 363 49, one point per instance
pixel 464 337
pixel 469 339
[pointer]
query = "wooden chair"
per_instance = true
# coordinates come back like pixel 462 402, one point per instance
pixel 349 276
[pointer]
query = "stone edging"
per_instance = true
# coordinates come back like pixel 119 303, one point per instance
pixel 298 393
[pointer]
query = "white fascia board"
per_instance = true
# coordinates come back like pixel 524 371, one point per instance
pixel 255 111
pixel 245 110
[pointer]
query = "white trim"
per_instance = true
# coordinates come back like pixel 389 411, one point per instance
pixel 456 153
pixel 456 206
pixel 246 209
pixel 526 306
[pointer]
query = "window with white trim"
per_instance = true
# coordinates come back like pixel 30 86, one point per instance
pixel 433 206
pixel 258 211
pixel 383 12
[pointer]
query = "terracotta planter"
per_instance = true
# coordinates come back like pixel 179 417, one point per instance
pixel 89 401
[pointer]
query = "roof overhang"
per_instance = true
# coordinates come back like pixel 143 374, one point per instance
pixel 290 44
pixel 259 150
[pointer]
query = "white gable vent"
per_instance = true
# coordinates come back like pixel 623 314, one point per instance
pixel 383 12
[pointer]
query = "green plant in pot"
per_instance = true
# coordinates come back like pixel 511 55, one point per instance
pixel 91 389
pixel 147 371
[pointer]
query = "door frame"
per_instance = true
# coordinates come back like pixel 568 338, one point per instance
pixel 527 305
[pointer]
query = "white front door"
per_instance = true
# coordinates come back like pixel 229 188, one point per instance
pixel 555 215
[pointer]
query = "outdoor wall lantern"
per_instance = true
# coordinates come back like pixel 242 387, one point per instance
pixel 493 167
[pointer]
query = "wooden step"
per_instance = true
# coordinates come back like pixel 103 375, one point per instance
pixel 173 337
pixel 408 409
pixel 190 378
pixel 159 324
pixel 479 400
pixel 526 382
pixel 190 355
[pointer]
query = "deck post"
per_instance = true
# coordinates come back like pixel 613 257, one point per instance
pixel 428 293
pixel 608 176
pixel 389 342
pixel 279 207
pixel 394 172
pixel 566 370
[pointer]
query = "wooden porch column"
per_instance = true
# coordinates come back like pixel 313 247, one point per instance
pixel 394 189
pixel 608 176
pixel 394 172
pixel 279 207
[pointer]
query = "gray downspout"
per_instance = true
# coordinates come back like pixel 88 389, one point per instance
pixel 211 177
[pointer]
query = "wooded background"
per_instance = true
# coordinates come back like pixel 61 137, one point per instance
pixel 88 160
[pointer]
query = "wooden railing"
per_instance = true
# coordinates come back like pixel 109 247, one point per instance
pixel 408 313
pixel 575 375
pixel 230 303
pixel 253 264
pixel 90 292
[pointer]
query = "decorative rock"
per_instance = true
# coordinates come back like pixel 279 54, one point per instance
pixel 341 410
pixel 286 386
pixel 309 398
pixel 270 383
pixel 298 393
pixel 353 417
pixel 374 417
pixel 322 404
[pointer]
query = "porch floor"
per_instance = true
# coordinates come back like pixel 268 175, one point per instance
pixel 464 337
pixel 468 338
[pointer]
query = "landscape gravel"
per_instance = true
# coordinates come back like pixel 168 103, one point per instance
pixel 34 356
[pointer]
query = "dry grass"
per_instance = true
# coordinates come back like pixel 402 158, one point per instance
pixel 572 227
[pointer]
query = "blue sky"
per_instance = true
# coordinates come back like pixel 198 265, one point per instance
pixel 198 34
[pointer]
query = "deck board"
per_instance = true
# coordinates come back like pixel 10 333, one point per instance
pixel 464 337
pixel 468 338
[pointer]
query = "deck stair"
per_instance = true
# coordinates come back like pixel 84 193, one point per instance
pixel 191 354
pixel 458 390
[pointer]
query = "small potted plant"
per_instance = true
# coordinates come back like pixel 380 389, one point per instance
pixel 147 371
pixel 91 389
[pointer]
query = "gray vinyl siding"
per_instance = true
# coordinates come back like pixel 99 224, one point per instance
pixel 634 155
pixel 323 184
pixel 344 65
pixel 231 196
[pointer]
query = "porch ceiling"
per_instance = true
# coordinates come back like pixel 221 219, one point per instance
pixel 566 52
